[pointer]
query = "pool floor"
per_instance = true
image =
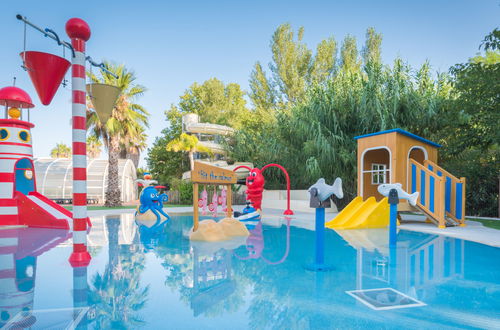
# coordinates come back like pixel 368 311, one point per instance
pixel 157 279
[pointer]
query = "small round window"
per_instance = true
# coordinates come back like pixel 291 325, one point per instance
pixel 24 136
pixel 4 134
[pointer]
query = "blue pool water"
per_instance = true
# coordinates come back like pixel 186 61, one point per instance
pixel 159 280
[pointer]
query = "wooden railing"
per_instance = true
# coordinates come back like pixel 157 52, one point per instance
pixel 431 188
pixel 454 193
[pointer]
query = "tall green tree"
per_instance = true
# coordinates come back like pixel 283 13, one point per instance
pixel 315 137
pixel 373 47
pixel 473 148
pixel 293 68
pixel 127 122
pixel 215 102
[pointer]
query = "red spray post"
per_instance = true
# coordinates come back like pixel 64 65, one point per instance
pixel 255 185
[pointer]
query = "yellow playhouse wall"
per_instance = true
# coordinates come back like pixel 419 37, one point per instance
pixel 383 140
pixel 400 164
pixel 399 146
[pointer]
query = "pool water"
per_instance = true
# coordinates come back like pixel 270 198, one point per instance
pixel 157 279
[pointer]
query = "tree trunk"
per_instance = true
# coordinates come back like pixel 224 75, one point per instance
pixel 191 159
pixel 113 194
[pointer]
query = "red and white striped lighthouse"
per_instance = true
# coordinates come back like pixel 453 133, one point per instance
pixel 79 32
pixel 17 172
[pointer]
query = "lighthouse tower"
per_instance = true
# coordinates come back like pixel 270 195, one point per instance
pixel 16 155
pixel 20 204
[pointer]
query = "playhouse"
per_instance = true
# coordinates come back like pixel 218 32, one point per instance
pixel 398 156
pixel 384 157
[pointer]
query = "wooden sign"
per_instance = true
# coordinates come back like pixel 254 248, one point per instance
pixel 208 174
pixel 204 173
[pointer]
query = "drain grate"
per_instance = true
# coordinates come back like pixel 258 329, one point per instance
pixel 384 299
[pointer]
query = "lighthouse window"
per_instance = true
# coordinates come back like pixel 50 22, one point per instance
pixel 24 136
pixel 4 134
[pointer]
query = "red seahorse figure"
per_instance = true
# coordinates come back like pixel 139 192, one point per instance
pixel 255 185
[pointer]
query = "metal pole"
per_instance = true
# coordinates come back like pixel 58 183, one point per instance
pixel 79 32
pixel 47 32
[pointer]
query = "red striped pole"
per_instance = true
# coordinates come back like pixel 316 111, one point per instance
pixel 79 32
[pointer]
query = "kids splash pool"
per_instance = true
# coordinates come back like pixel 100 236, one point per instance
pixel 161 280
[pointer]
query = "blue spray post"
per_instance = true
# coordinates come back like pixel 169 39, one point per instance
pixel 393 217
pixel 320 199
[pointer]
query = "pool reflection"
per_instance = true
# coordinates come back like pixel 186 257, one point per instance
pixel 143 279
pixel 19 250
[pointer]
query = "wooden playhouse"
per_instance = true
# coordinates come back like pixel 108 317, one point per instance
pixel 397 156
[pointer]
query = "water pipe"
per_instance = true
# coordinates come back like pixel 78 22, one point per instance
pixel 288 211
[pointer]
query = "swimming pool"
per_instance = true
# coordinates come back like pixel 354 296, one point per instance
pixel 159 280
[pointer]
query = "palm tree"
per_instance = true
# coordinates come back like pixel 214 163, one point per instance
pixel 61 150
pixel 127 120
pixel 187 143
pixel 94 146
pixel 132 144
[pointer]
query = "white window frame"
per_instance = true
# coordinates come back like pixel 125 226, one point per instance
pixel 379 171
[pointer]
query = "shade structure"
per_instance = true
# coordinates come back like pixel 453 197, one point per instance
pixel 46 72
pixel 103 98
pixel 54 177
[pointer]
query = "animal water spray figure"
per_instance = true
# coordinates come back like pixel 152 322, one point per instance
pixel 320 193
pixel 385 188
pixel 152 205
pixel 394 192
pixel 255 185
pixel 203 201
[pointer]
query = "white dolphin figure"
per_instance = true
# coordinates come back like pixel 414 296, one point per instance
pixel 386 187
pixel 325 190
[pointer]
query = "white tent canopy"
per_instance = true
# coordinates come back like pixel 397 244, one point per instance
pixel 54 178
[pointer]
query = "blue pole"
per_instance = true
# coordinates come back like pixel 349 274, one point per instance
pixel 320 236
pixel 393 224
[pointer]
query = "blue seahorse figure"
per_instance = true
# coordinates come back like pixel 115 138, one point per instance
pixel 151 200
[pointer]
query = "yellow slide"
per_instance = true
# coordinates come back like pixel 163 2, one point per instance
pixel 359 214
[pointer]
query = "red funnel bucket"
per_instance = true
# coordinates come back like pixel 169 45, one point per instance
pixel 46 72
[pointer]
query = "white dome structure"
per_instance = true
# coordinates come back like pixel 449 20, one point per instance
pixel 55 178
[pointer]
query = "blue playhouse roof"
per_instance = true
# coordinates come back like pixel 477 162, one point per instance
pixel 401 131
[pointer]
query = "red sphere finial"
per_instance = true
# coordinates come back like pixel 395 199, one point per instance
pixel 78 28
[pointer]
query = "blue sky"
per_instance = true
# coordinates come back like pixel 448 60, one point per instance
pixel 171 44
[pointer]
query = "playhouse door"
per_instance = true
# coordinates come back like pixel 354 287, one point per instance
pixel 24 174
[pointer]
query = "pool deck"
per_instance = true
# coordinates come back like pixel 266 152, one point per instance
pixel 474 231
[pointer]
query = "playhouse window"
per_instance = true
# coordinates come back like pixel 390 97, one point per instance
pixel 378 173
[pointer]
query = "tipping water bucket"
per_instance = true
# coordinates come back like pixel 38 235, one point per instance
pixel 103 99
pixel 46 72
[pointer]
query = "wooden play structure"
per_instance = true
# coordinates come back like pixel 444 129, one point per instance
pixel 211 175
pixel 397 156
